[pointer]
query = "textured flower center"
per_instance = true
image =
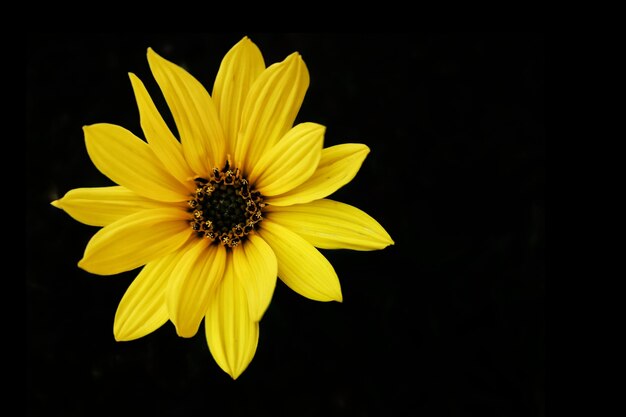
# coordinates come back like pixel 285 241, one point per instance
pixel 225 208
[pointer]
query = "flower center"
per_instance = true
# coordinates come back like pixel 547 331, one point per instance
pixel 224 208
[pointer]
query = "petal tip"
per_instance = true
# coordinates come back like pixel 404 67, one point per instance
pixel 185 333
pixel 387 240
pixel 86 265
pixel 118 335
pixel 152 55
pixel 338 296
pixel 56 203
pixel 82 264
pixel 123 335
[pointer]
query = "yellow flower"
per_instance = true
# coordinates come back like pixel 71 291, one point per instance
pixel 217 216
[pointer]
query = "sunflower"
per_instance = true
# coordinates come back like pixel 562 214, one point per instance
pixel 215 217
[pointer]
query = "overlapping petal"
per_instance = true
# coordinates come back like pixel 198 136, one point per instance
pixel 256 269
pixel 231 333
pixel 302 267
pixel 290 162
pixel 270 109
pixel 338 165
pixel 130 162
pixel 329 224
pixel 101 206
pixel 142 309
pixel 194 113
pixel 135 240
pixel 240 67
pixel 192 284
pixel 162 142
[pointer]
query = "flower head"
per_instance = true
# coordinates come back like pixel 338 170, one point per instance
pixel 215 217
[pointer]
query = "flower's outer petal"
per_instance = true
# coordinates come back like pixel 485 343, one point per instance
pixel 231 333
pixel 329 224
pixel 338 165
pixel 135 240
pixel 256 269
pixel 130 162
pixel 240 67
pixel 270 109
pixel 302 267
pixel 101 206
pixel 142 309
pixel 194 113
pixel 290 162
pixel 160 138
pixel 191 285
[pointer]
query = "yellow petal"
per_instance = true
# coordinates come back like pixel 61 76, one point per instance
pixel 231 333
pixel 302 267
pixel 270 109
pixel 143 308
pixel 338 165
pixel 240 67
pixel 135 240
pixel 130 162
pixel 160 138
pixel 194 113
pixel 101 206
pixel 290 162
pixel 256 269
pixel 192 284
pixel 329 224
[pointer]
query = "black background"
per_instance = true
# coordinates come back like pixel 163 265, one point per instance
pixel 448 322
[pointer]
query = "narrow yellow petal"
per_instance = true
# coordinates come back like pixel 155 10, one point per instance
pixel 101 206
pixel 290 162
pixel 160 138
pixel 270 109
pixel 302 267
pixel 338 165
pixel 194 113
pixel 240 67
pixel 329 224
pixel 256 269
pixel 135 240
pixel 142 310
pixel 191 285
pixel 231 333
pixel 130 162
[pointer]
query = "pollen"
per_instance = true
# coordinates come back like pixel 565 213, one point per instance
pixel 224 208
